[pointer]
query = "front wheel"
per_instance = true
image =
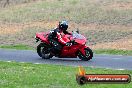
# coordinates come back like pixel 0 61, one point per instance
pixel 88 54
pixel 43 51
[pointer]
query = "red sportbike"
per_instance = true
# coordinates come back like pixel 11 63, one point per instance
pixel 78 48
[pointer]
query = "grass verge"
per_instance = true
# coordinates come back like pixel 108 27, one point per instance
pixel 27 75
pixel 113 51
pixel 98 51
pixel 18 47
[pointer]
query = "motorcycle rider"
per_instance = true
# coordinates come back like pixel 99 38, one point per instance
pixel 55 37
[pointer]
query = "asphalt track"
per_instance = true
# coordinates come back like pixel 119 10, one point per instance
pixel 99 61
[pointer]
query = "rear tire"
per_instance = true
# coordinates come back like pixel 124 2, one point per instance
pixel 43 51
pixel 88 56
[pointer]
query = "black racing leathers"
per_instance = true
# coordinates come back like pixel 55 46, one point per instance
pixel 56 40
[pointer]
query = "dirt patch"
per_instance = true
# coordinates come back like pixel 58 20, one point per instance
pixel 11 28
pixel 118 5
pixel 122 5
pixel 19 32
pixel 122 44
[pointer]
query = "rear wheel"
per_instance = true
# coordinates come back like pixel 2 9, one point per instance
pixel 88 54
pixel 43 51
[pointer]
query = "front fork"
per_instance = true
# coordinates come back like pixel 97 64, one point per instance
pixel 82 50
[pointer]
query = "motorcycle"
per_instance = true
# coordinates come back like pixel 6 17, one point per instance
pixel 78 48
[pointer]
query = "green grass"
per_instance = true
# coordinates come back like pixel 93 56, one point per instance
pixel 74 10
pixel 113 51
pixel 99 51
pixel 18 47
pixel 27 75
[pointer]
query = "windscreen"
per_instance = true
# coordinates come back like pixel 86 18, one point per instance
pixel 77 36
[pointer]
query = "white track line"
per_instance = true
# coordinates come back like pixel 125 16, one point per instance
pixel 37 63
pixel 8 61
pixel 120 69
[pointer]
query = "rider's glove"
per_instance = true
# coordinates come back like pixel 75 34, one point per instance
pixel 68 44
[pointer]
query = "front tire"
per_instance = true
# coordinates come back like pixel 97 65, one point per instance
pixel 42 50
pixel 88 54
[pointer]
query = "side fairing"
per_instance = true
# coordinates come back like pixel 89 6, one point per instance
pixel 42 36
